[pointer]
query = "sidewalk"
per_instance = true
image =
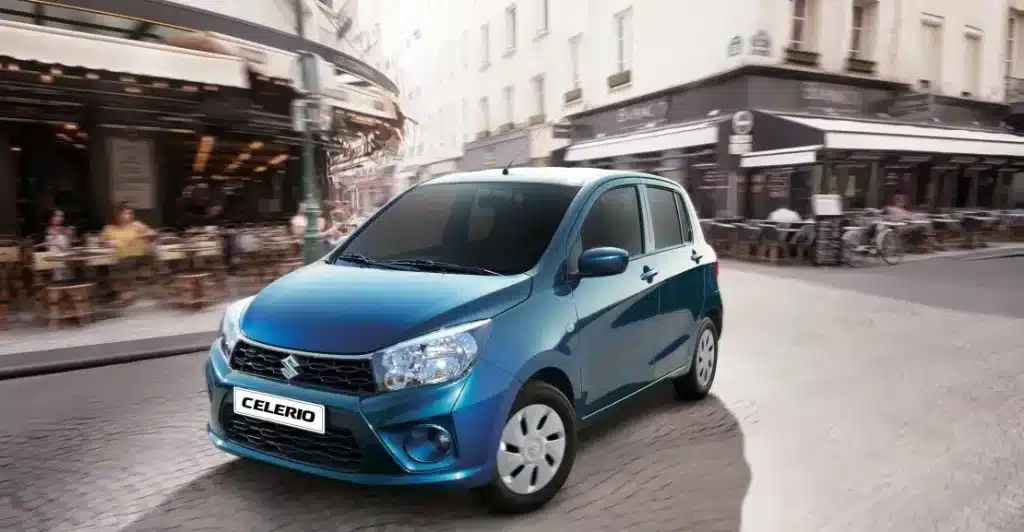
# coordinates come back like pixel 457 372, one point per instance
pixel 151 330
pixel 147 331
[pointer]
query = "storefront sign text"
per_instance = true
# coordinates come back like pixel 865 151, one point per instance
pixel 912 104
pixel 830 98
pixel 647 113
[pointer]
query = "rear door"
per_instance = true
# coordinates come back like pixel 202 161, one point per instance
pixel 681 288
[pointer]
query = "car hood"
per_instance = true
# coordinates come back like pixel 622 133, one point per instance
pixel 339 309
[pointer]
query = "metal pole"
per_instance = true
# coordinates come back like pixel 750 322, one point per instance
pixel 310 241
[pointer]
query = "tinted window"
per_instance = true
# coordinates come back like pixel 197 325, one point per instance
pixel 665 218
pixel 503 227
pixel 614 221
pixel 684 217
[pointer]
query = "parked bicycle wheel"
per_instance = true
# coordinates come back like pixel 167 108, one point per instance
pixel 853 254
pixel 890 247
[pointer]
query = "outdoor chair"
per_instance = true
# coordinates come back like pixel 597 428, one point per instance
pixel 770 244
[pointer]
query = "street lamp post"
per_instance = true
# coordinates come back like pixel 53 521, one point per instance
pixel 310 239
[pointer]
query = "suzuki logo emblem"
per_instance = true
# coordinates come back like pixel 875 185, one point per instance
pixel 290 367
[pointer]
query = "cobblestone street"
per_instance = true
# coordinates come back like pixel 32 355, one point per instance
pixel 838 407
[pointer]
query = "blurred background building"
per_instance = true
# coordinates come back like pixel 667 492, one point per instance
pixel 174 106
pixel 750 104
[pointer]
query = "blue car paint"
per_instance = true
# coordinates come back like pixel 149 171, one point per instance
pixel 600 340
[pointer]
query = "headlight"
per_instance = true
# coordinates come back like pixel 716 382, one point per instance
pixel 437 357
pixel 230 328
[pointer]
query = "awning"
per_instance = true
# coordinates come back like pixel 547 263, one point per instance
pixel 784 157
pixel 661 139
pixel 362 101
pixel 77 49
pixel 857 135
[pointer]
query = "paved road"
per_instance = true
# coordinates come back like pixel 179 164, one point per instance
pixel 836 410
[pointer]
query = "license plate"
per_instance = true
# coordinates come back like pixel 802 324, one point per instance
pixel 280 410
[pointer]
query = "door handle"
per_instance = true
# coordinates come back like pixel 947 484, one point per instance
pixel 648 274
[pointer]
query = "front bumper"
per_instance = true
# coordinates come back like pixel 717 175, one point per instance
pixel 365 435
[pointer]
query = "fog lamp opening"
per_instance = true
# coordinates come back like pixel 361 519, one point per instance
pixel 428 443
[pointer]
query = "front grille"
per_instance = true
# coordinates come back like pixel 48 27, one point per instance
pixel 353 376
pixel 337 450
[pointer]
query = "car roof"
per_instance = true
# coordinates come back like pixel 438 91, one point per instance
pixel 576 177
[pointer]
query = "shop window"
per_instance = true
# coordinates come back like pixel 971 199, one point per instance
pixel 851 181
pixel 1016 191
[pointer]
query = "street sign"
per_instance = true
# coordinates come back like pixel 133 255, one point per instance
pixel 742 122
pixel 740 148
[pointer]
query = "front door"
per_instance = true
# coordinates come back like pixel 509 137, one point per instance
pixel 615 314
pixel 680 267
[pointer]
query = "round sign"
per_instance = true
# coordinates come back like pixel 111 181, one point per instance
pixel 742 123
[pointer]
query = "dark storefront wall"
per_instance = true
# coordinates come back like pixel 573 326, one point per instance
pixel 497 152
pixel 720 186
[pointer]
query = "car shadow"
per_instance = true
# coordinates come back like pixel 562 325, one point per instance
pixel 655 464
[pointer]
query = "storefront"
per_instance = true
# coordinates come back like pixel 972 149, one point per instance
pixel 869 162
pixel 159 117
pixel 758 138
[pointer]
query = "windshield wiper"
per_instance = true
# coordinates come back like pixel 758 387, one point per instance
pixel 440 266
pixel 363 260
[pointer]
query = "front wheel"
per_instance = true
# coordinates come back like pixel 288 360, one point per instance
pixel 890 247
pixel 536 451
pixel 696 383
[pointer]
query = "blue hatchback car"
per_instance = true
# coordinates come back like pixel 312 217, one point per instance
pixel 461 335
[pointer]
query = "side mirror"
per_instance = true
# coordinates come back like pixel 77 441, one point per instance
pixel 602 262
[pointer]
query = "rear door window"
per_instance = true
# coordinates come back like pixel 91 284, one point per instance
pixel 666 218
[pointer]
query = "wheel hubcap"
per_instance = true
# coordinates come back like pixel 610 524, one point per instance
pixel 704 363
pixel 531 449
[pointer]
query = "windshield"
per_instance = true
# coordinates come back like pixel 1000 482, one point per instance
pixel 501 227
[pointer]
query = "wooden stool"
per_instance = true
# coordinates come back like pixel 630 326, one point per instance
pixel 68 301
pixel 193 289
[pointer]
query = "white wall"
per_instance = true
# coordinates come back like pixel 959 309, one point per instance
pixel 675 42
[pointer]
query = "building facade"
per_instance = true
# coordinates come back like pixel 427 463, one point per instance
pixel 750 105
pixel 154 103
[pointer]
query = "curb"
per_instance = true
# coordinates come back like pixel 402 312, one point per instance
pixel 48 361
pixel 1004 255
pixel 33 370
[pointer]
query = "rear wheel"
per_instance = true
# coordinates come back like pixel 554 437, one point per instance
pixel 535 453
pixel 696 383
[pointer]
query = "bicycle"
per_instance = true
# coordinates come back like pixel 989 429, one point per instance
pixel 886 245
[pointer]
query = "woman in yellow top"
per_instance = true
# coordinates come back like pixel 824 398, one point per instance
pixel 128 235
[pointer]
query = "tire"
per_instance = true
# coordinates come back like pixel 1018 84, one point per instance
pixel 890 247
pixel 697 382
pixel 507 494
